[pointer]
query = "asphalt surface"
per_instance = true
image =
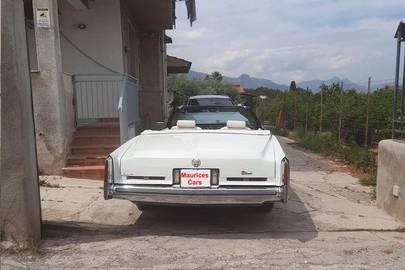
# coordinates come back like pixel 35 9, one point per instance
pixel 330 222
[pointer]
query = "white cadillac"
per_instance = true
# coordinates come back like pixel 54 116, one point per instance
pixel 207 156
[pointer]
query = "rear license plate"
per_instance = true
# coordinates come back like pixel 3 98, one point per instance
pixel 195 178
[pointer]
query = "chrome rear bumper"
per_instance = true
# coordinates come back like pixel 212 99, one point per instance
pixel 210 196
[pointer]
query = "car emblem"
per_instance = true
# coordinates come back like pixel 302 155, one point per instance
pixel 246 173
pixel 196 163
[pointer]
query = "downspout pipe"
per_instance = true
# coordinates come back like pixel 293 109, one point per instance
pixel 394 99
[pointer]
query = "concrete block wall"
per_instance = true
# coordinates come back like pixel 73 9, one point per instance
pixel 391 177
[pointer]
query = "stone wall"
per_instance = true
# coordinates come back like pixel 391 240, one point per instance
pixel 391 177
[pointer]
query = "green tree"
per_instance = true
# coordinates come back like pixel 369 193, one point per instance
pixel 293 86
pixel 182 88
pixel 216 76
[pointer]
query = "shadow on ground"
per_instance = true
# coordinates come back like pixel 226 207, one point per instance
pixel 291 221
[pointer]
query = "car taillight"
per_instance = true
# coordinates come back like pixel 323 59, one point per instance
pixel 108 170
pixel 285 166
pixel 108 177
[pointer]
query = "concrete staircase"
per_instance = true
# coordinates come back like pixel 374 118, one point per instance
pixel 91 144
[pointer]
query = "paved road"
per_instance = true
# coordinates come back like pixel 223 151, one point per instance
pixel 329 223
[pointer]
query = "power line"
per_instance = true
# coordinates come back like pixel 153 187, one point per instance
pixel 86 55
pixel 376 81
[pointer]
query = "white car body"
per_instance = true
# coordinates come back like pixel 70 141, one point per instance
pixel 251 165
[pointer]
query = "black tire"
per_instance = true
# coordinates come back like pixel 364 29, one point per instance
pixel 265 208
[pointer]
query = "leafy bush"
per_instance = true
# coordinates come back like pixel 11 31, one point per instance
pixel 362 158
pixel 281 132
pixel 325 143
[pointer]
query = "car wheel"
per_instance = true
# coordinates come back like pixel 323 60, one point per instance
pixel 265 208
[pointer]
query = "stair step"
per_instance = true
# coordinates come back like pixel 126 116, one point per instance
pixel 96 149
pixel 97 131
pixel 95 172
pixel 90 146
pixel 97 136
pixel 113 124
pixel 84 139
pixel 109 120
pixel 85 160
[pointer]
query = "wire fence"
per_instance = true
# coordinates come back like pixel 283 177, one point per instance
pixel 349 115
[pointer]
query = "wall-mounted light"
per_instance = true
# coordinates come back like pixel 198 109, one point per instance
pixel 81 26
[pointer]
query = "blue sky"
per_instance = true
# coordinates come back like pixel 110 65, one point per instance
pixel 286 40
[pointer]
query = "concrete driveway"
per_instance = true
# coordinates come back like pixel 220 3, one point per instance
pixel 330 222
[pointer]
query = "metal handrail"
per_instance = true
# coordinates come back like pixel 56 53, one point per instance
pixel 106 74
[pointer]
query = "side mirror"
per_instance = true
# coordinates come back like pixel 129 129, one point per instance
pixel 159 126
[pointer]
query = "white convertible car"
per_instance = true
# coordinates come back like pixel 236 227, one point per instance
pixel 207 156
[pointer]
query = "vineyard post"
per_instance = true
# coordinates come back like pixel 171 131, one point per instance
pixel 306 111
pixel 340 112
pixel 321 116
pixel 367 112
pixel 295 110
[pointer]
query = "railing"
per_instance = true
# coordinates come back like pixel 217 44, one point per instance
pixel 96 97
pixel 107 97
pixel 128 108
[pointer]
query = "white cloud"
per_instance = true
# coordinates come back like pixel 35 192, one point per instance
pixel 334 62
pixel 288 40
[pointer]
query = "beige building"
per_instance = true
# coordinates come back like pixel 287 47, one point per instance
pixel 99 76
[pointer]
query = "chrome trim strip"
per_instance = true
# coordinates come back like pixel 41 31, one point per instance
pixel 212 196
pixel 195 191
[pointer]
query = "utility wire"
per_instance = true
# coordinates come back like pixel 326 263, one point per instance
pixel 88 56
pixel 376 81
pixel 93 59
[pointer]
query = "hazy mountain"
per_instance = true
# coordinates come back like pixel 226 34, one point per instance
pixel 244 80
pixel 195 75
pixel 252 83
pixel 316 84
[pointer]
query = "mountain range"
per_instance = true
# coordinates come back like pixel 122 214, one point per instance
pixel 249 82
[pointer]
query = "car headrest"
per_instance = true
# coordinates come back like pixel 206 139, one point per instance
pixel 186 124
pixel 236 124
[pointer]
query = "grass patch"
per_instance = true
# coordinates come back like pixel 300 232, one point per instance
pixel 370 181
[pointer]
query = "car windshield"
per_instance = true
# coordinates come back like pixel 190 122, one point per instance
pixel 214 117
pixel 210 102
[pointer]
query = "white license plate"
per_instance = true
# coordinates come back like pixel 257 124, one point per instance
pixel 195 178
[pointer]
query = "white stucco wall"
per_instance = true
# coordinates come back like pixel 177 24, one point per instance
pixel 102 39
